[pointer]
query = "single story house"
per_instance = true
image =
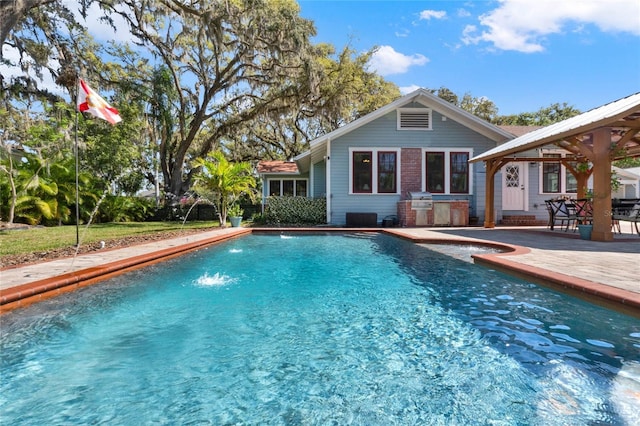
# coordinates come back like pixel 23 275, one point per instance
pixel 419 146
pixel 377 166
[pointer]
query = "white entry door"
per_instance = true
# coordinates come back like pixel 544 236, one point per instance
pixel 514 182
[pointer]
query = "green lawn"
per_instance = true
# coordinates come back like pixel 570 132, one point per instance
pixel 18 241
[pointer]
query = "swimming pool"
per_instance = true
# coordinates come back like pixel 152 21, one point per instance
pixel 308 329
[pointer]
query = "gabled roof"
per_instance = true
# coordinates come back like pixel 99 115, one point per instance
pixel 622 115
pixel 427 99
pixel 276 167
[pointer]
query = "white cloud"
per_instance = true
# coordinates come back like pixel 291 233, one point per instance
pixel 436 14
pixel 408 89
pixel 463 13
pixel 522 25
pixel 103 31
pixel 386 61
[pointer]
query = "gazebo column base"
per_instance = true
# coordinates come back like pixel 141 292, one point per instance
pixel 601 236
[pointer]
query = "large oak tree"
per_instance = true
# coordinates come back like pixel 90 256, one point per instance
pixel 227 62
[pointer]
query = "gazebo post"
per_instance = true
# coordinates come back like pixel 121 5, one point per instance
pixel 602 185
pixel 492 167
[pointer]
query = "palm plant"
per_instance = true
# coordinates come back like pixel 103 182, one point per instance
pixel 222 183
pixel 35 194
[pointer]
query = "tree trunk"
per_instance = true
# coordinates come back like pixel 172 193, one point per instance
pixel 12 11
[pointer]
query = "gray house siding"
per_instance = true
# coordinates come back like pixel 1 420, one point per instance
pixel 383 133
pixel 319 180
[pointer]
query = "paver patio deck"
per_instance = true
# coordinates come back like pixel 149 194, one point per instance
pixel 606 270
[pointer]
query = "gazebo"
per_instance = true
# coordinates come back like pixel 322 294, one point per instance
pixel 595 139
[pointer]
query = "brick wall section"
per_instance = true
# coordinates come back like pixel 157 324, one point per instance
pixel 406 216
pixel 411 168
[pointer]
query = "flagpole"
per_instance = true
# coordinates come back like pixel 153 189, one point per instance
pixel 77 166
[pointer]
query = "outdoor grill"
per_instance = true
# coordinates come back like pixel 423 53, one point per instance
pixel 421 200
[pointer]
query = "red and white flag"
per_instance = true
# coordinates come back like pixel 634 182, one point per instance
pixel 91 102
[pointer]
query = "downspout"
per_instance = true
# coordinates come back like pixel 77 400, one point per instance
pixel 310 190
pixel 328 179
pixel 263 199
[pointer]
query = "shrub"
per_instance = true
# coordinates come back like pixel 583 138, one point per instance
pixel 296 210
pixel 124 209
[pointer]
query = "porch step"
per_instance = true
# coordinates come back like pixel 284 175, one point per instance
pixel 522 220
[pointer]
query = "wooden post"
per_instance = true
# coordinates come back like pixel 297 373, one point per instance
pixel 489 211
pixel 602 185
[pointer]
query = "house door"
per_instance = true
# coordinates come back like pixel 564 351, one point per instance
pixel 514 180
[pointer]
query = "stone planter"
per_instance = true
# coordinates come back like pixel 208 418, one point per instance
pixel 235 221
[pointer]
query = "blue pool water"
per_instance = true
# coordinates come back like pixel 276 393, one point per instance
pixel 303 329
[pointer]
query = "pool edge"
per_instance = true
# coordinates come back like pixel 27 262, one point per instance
pixel 616 298
pixel 36 291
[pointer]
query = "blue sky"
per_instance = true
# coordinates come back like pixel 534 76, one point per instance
pixel 521 54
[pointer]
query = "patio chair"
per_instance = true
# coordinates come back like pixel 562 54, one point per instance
pixel 628 215
pixel 583 212
pixel 563 212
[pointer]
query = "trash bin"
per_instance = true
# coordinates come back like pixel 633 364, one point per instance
pixel 389 221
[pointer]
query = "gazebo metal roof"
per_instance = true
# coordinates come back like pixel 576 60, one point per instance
pixel 622 116
pixel 598 137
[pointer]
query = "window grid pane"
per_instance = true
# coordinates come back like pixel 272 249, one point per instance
pixel 435 172
pixel 570 182
pixel 459 172
pixel 362 167
pixel 301 188
pixel 387 172
pixel 287 188
pixel 551 175
pixel 274 188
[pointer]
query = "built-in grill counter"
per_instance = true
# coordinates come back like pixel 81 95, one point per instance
pixel 420 209
pixel 421 203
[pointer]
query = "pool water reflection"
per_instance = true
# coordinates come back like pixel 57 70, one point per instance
pixel 354 329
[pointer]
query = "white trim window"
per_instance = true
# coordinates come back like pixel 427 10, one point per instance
pixel 374 171
pixel 414 118
pixel 288 187
pixel 447 170
pixel 554 177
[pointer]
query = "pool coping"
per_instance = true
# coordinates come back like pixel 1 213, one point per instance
pixel 33 292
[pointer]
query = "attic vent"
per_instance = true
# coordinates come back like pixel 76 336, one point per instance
pixel 414 119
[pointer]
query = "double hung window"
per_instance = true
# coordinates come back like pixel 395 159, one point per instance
pixel 447 171
pixel 374 171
